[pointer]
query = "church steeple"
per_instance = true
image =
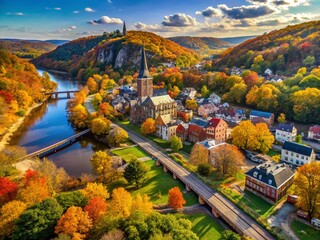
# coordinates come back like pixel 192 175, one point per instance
pixel 144 72
pixel 124 30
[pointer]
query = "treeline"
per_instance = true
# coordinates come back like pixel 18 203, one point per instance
pixel 20 87
pixel 291 97
pixel 284 51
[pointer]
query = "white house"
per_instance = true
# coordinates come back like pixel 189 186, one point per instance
pixel 268 72
pixel 297 154
pixel 286 132
pixel 166 128
pixel 314 133
pixel 214 98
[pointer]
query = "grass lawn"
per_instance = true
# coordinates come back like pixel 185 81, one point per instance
pixel 187 148
pixel 311 233
pixel 205 227
pixel 132 127
pixel 272 153
pixel 159 183
pixel 127 154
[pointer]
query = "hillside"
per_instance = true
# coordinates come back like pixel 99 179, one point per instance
pixel 83 57
pixel 284 50
pixel 200 42
pixel 25 48
pixel 236 40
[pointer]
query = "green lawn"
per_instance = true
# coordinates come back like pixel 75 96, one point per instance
pixel 159 183
pixel 311 233
pixel 272 153
pixel 205 227
pixel 127 154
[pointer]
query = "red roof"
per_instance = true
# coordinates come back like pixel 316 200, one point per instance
pixel 315 129
pixel 214 122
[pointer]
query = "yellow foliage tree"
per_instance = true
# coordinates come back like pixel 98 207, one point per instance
pixel 142 204
pixel 307 182
pixel 92 85
pixel 95 190
pixel 199 155
pixel 244 135
pixel 121 203
pixel 75 223
pixel 148 126
pixel 192 104
pixel 264 137
pixel 9 213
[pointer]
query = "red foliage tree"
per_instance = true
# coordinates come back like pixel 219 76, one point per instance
pixel 96 207
pixel 8 97
pixel 176 199
pixel 251 78
pixel 8 190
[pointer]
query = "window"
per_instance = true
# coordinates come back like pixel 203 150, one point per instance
pixel 302 157
pixel 297 162
pixel 292 154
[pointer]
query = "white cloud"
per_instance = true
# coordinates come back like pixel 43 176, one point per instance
pixel 76 11
pixel 281 4
pixel 57 8
pixel 179 20
pixel 210 12
pixel 109 1
pixel 105 20
pixel 87 9
pixel 15 13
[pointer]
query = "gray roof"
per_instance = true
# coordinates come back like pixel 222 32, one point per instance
pixel 144 72
pixel 271 173
pixel 285 127
pixel 199 122
pixel 297 148
pixel 261 114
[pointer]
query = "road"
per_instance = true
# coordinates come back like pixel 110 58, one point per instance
pixel 227 210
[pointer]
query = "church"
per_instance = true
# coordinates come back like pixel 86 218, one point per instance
pixel 146 105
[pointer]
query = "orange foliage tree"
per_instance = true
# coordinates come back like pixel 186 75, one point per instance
pixel 148 126
pixel 95 208
pixel 176 199
pixel 75 223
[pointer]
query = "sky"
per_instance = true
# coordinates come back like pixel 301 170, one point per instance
pixel 71 19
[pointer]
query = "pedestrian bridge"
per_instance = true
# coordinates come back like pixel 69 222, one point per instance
pixel 66 94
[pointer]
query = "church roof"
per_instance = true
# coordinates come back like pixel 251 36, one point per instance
pixel 144 72
pixel 158 100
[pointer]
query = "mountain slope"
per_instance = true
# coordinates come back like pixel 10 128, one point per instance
pixel 284 50
pixel 25 48
pixel 201 42
pixel 83 57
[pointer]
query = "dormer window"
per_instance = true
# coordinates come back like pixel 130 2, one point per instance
pixel 269 181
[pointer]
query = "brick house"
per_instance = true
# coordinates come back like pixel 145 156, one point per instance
pixel 297 154
pixel 207 109
pixel 197 130
pixel 217 129
pixel 269 180
pixel 314 133
pixel 259 116
pixel 182 131
pixel 285 132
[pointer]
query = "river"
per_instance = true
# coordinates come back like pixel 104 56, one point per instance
pixel 48 124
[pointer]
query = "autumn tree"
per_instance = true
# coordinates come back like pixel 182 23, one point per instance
pixel 175 198
pixel 205 91
pixel 264 138
pixel 148 126
pixel 199 154
pixel 107 110
pixel 121 203
pixel 8 190
pixel 307 182
pixel 56 177
pixel 9 213
pixel 78 116
pixel 75 223
pixel 95 190
pixel 227 159
pixel 251 78
pixel 281 118
pixel 9 156
pixel 298 139
pixel 100 126
pixel 237 93
pixel 243 135
pixel 192 105
pixel 136 172
pixel 174 92
pixel 142 204
pixel 176 143
pixel 38 221
pixel 95 208
pixel 92 85
pixel 116 136
pixel 102 166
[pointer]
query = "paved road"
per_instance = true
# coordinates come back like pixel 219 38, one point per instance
pixel 227 210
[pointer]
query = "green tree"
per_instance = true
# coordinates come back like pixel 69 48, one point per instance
pixel 38 221
pixel 229 235
pixel 205 91
pixel 116 136
pixel 136 172
pixel 309 61
pixel 237 93
pixel 299 139
pixel 176 143
pixel 204 169
pixel 102 166
pixel 68 199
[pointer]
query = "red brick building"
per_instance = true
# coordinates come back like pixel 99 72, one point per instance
pixel 197 130
pixel 269 180
pixel 217 129
pixel 182 131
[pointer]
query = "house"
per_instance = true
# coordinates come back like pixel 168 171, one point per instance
pixel 166 127
pixel 217 129
pixel 239 115
pixel 206 109
pixel 215 98
pixel 259 116
pixel 187 93
pixel 197 130
pixel 297 154
pixel 182 131
pixel 269 180
pixel 285 132
pixel 268 72
pixel 314 133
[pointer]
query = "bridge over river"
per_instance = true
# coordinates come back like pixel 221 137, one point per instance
pixel 55 95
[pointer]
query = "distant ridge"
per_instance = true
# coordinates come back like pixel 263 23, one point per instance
pixel 53 41
pixel 200 42
pixel 237 40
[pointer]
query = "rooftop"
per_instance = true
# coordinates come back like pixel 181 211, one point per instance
pixel 285 127
pixel 199 122
pixel 260 114
pixel 144 72
pixel 297 148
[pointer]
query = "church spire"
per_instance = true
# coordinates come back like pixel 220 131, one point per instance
pixel 124 31
pixel 144 72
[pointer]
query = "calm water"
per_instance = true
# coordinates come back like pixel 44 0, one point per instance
pixel 48 124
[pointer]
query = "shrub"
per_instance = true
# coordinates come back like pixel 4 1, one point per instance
pixel 204 169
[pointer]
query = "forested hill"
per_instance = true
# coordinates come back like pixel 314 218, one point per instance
pixel 201 42
pixel 284 50
pixel 25 48
pixel 83 57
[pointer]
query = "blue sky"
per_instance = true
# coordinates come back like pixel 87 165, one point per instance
pixel 70 19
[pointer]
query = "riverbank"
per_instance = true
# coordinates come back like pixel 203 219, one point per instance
pixel 5 139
